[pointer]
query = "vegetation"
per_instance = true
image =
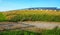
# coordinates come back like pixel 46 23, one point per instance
pixel 33 15
pixel 2 17
pixel 30 15
pixel 18 32
pixel 55 31
pixel 22 32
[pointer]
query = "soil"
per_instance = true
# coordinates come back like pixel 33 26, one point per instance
pixel 29 25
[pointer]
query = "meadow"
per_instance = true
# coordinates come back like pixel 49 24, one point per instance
pixel 33 15
pixel 30 15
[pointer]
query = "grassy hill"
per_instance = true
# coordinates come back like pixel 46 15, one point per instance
pixel 32 15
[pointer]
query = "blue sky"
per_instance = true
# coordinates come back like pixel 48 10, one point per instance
pixel 20 4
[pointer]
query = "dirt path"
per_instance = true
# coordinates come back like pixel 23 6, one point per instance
pixel 44 25
pixel 13 25
pixel 29 24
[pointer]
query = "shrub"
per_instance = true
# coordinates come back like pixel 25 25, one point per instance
pixel 2 17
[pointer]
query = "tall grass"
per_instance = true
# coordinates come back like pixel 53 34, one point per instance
pixel 34 15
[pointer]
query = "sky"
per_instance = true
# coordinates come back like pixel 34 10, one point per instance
pixel 6 5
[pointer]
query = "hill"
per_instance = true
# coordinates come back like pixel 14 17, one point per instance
pixel 32 15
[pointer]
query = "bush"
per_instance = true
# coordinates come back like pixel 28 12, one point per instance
pixel 2 17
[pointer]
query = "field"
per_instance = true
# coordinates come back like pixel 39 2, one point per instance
pixel 17 16
pixel 32 15
pixel 22 32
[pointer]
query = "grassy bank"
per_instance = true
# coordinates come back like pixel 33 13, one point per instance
pixel 22 32
pixel 19 32
pixel 30 15
pixel 34 15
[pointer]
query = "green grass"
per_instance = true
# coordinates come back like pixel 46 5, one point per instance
pixel 55 31
pixel 51 32
pixel 36 17
pixel 30 15
pixel 19 32
pixel 2 17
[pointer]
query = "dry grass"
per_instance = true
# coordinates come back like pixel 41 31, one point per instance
pixel 34 15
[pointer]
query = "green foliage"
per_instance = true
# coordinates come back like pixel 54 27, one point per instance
pixel 19 32
pixel 17 18
pixel 2 17
pixel 22 32
pixel 36 17
pixel 55 31
pixel 30 15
